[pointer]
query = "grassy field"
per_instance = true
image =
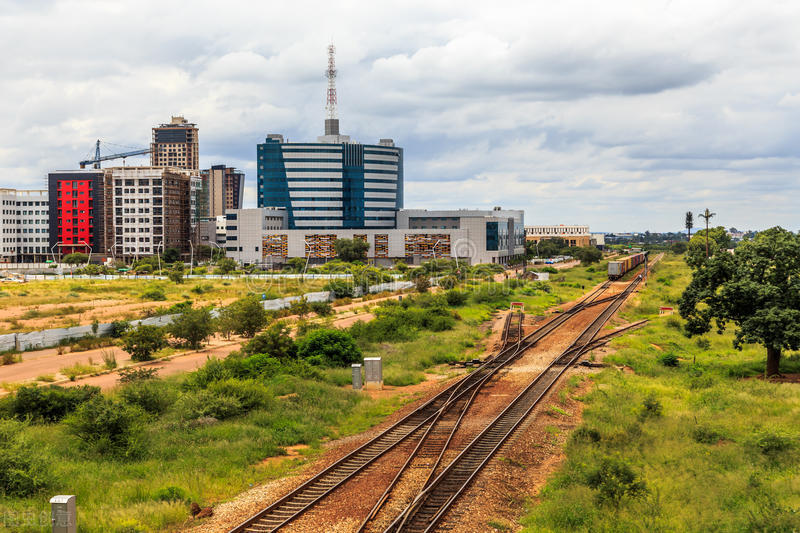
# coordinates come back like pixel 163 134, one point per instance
pixel 687 439
pixel 61 303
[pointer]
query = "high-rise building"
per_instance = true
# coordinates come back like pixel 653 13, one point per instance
pixel 77 200
pixel 334 183
pixel 175 145
pixel 24 226
pixel 331 185
pixel 222 189
pixel 151 206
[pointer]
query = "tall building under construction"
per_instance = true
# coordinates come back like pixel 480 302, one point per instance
pixel 175 145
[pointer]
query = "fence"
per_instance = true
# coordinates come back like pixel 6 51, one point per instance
pixel 52 337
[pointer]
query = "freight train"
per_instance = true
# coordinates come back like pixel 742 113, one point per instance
pixel 617 269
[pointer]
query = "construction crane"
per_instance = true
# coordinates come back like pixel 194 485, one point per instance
pixel 98 158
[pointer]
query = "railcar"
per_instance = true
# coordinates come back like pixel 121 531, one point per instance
pixel 617 269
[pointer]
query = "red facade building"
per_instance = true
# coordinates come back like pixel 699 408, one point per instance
pixel 77 212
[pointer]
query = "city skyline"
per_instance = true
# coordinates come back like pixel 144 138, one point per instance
pixel 623 118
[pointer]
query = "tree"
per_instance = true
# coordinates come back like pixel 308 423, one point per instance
pixel 76 258
pixel 707 216
pixel 226 265
pixel 587 254
pixel 553 247
pixel 194 326
pixel 351 249
pixel 171 255
pixel 679 247
pixel 143 341
pixel 422 282
pixel 300 307
pixel 244 317
pixel 329 347
pixel 276 342
pixel 689 224
pixel 718 240
pixel 757 289
pixel 175 273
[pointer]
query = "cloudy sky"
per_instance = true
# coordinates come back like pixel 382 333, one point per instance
pixel 621 115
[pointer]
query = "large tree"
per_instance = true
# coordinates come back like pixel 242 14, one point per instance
pixel 718 241
pixel 351 249
pixel 757 289
pixel 689 224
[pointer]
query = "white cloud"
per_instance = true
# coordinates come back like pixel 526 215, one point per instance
pixel 619 114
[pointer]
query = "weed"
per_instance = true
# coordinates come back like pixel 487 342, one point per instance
pixel 109 359
pixel 132 375
pixel 78 369
pixel 669 359
pixel 46 378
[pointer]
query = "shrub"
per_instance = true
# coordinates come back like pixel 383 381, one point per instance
pixel 22 472
pixel 674 323
pixel 244 317
pixel 771 444
pixel 274 342
pixel 705 435
pixel 108 427
pixel 329 347
pixel 205 404
pixel 134 375
pixel 143 341
pixel 155 294
pixel 152 396
pixel 51 403
pixel 448 282
pixel 201 288
pixel 119 328
pixel 456 298
pixel 170 494
pixel 321 308
pixel 422 283
pixel 225 265
pixel 249 393
pixel 669 359
pixel 651 408
pixel 614 480
pixel 703 343
pixel 193 326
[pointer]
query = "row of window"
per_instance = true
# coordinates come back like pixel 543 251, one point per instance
pixel 131 183
pixel 23 204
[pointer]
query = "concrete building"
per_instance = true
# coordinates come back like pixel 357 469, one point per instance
pixel 24 226
pixel 175 145
pixel 262 236
pixel 332 184
pixel 222 188
pixel 212 232
pixel 77 202
pixel 151 206
pixel 574 235
pixel 598 240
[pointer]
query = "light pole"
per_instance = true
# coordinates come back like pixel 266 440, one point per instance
pixel 90 252
pixel 308 256
pixel 211 259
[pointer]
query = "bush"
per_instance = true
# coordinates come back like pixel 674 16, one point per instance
pixel 651 408
pixel 143 341
pixel 329 347
pixel 321 308
pixel 448 282
pixel 119 328
pixel 206 404
pixel 456 298
pixel 226 265
pixel 274 342
pixel 108 427
pixel 615 480
pixel 152 396
pixel 155 294
pixel 170 494
pixel 134 375
pixel 669 359
pixel 49 404
pixel 244 317
pixel 193 326
pixel 249 393
pixel 705 435
pixel 422 283
pixel 22 472
pixel 771 444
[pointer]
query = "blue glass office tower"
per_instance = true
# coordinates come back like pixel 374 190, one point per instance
pixel 332 185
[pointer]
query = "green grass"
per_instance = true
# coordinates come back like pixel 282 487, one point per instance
pixel 722 455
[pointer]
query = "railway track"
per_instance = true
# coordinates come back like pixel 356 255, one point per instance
pixel 454 398
pixel 432 503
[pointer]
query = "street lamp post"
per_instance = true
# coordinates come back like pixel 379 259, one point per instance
pixel 90 252
pixel 160 245
pixel 308 256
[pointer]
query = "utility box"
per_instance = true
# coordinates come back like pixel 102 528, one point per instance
pixel 62 514
pixel 357 377
pixel 373 372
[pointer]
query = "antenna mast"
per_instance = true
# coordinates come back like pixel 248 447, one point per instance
pixel 331 120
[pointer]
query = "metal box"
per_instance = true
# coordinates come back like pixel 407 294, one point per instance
pixel 62 514
pixel 373 371
pixel 357 377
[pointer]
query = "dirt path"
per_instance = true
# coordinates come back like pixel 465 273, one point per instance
pixel 49 362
